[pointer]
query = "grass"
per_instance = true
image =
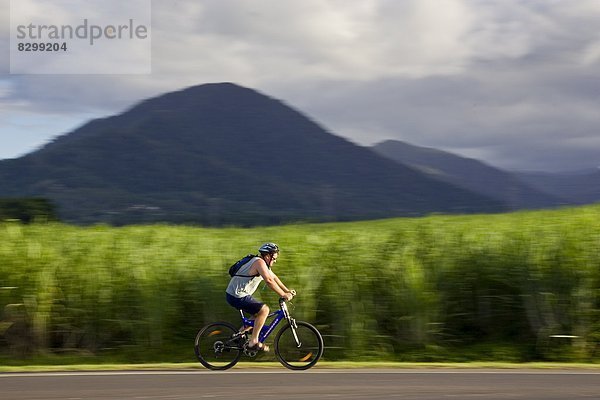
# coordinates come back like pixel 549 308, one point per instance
pixel 439 288
pixel 276 365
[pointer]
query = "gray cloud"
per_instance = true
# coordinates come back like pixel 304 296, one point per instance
pixel 511 82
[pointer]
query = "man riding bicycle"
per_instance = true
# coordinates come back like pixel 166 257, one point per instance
pixel 244 284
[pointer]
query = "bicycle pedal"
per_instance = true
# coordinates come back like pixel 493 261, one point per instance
pixel 248 352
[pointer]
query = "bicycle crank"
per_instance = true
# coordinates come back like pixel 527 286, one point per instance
pixel 248 352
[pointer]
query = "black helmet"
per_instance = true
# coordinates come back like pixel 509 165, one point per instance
pixel 268 248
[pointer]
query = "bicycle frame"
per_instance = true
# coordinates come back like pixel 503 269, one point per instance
pixel 266 330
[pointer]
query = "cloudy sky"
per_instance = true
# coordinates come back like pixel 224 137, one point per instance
pixel 515 83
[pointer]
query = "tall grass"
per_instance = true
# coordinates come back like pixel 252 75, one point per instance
pixel 438 288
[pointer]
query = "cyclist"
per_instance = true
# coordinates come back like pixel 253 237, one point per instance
pixel 244 284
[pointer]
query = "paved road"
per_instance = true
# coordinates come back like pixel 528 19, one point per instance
pixel 315 384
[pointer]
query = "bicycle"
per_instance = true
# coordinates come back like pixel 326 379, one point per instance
pixel 298 344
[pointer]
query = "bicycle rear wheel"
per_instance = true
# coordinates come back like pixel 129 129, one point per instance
pixel 217 346
pixel 300 357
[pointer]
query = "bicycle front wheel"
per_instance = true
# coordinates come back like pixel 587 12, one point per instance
pixel 299 348
pixel 217 346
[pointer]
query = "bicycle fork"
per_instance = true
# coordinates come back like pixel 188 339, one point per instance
pixel 293 326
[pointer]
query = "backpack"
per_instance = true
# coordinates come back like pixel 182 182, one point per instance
pixel 238 264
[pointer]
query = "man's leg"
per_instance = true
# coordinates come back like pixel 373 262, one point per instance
pixel 259 322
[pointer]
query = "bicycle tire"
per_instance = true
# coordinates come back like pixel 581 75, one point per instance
pixel 299 358
pixel 215 348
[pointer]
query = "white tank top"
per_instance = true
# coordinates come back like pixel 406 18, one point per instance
pixel 242 286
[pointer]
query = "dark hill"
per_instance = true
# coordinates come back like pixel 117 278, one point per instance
pixel 468 173
pixel 222 154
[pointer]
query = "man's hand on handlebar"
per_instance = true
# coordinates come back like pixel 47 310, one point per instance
pixel 287 296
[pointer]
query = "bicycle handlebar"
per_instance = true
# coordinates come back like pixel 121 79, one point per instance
pixel 282 300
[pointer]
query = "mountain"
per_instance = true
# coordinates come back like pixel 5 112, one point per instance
pixel 576 187
pixel 468 173
pixel 220 154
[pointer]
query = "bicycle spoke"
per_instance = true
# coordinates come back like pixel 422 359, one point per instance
pixel 216 346
pixel 299 357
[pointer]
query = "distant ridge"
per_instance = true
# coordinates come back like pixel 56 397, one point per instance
pixel 468 173
pixel 220 154
pixel 575 187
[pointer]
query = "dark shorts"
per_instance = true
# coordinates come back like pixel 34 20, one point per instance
pixel 247 304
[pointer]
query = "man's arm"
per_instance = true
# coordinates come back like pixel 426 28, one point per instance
pixel 271 279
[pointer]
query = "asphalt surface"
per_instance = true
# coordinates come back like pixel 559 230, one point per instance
pixel 315 384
